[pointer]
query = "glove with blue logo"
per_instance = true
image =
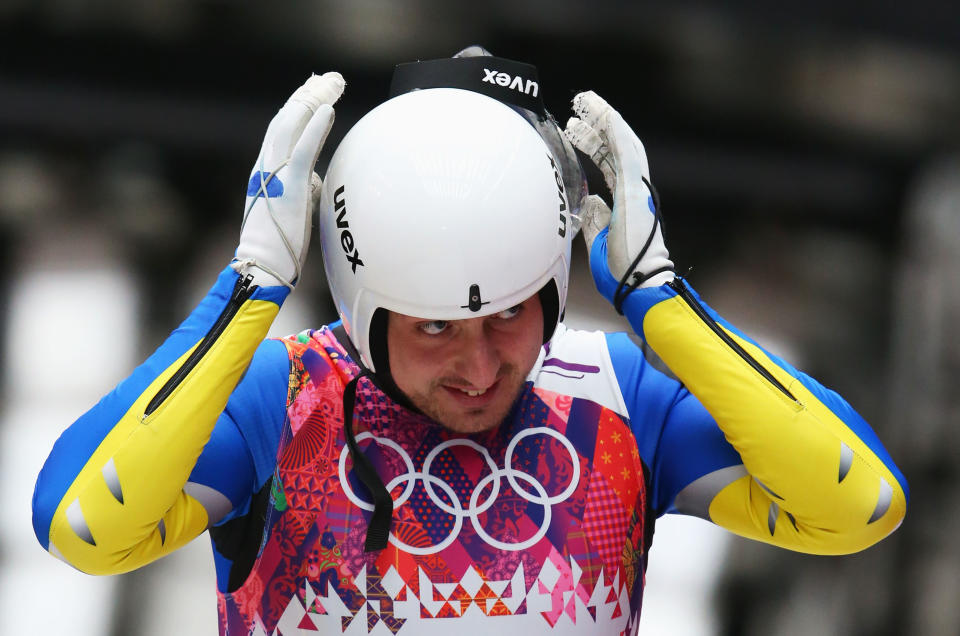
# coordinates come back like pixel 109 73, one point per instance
pixel 283 187
pixel 631 236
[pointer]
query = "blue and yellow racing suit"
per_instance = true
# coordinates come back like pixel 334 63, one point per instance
pixel 541 526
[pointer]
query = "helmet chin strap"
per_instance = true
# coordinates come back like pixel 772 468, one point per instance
pixel 378 530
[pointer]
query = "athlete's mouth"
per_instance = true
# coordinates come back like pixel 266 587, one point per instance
pixel 472 396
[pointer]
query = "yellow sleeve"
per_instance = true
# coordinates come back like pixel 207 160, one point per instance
pixel 126 503
pixel 816 479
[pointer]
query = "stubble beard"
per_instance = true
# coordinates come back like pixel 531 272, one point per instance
pixel 466 421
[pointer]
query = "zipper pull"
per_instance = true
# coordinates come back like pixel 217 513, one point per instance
pixel 242 289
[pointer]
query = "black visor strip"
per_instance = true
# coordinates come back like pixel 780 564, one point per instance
pixel 508 81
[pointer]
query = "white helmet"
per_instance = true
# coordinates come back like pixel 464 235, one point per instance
pixel 442 204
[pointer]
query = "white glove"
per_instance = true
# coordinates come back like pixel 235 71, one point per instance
pixel 634 233
pixel 283 188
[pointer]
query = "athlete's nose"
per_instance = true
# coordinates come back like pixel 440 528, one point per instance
pixel 479 359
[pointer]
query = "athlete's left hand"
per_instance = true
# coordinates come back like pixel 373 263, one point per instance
pixel 631 235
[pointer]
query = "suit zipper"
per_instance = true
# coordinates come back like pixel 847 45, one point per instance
pixel 688 298
pixel 241 292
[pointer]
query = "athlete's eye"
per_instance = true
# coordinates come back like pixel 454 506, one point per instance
pixel 506 314
pixel 434 327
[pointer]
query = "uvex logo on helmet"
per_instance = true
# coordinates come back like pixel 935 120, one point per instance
pixel 346 238
pixel 517 83
pixel 563 200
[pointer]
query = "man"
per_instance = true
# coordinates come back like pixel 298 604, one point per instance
pixel 449 455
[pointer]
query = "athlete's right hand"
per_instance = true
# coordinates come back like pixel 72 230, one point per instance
pixel 283 186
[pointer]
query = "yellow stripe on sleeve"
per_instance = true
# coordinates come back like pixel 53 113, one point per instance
pixel 150 459
pixel 813 485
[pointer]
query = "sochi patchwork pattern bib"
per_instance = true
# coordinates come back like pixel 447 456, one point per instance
pixel 534 528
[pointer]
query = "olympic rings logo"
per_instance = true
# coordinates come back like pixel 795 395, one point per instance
pixel 476 507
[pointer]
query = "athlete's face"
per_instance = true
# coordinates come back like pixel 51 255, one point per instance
pixel 465 374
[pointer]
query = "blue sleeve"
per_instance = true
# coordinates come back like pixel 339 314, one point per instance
pixel 241 453
pixel 679 440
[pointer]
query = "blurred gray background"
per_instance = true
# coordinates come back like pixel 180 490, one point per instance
pixel 807 161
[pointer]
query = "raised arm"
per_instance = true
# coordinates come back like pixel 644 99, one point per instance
pixel 116 491
pixel 812 475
